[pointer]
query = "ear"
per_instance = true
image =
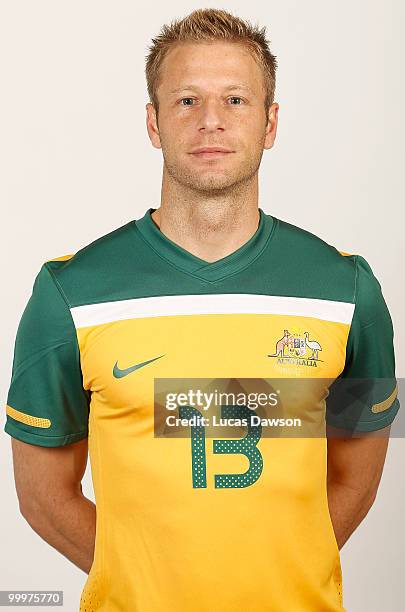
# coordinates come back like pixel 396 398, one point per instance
pixel 271 127
pixel 152 126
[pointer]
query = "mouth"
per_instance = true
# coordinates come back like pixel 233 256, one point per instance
pixel 211 152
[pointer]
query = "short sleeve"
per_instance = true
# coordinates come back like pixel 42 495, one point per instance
pixel 46 403
pixel 364 397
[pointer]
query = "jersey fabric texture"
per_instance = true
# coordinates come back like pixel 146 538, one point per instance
pixel 285 304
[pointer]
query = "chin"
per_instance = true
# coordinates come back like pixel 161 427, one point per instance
pixel 210 181
pixel 213 184
pixel 206 180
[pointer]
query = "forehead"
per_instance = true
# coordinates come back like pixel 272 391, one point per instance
pixel 209 64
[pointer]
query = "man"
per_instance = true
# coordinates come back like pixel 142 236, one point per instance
pixel 207 286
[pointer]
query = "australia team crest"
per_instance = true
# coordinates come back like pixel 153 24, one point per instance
pixel 297 348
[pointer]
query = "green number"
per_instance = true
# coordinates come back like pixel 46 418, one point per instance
pixel 243 446
pixel 198 459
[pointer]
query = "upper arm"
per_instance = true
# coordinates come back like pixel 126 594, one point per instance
pixel 44 475
pixel 358 462
pixel 47 404
pixel 364 397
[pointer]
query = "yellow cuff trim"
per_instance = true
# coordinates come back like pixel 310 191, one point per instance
pixel 27 419
pixel 386 403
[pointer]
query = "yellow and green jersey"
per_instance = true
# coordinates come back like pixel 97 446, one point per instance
pixel 194 523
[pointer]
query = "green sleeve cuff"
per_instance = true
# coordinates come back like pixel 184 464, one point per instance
pixel 41 440
pixel 365 426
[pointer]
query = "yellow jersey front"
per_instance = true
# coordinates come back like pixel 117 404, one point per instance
pixel 194 521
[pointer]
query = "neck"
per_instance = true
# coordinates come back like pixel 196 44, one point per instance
pixel 210 225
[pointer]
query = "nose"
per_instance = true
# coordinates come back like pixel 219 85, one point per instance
pixel 212 117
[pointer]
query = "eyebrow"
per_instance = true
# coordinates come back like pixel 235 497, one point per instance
pixel 228 88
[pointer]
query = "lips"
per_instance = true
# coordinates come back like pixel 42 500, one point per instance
pixel 211 152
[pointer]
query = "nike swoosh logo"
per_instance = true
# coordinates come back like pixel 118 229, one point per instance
pixel 118 373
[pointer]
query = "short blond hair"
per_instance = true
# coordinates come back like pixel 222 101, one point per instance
pixel 211 25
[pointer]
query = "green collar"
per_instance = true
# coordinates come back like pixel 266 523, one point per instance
pixel 211 271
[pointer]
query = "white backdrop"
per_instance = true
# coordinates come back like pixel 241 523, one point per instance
pixel 76 163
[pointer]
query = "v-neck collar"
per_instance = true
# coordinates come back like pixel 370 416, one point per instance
pixel 206 270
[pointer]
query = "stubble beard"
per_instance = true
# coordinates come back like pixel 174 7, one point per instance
pixel 212 183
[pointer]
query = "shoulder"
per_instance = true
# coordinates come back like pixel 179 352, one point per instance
pixel 298 239
pixel 326 271
pixel 98 250
pixel 315 267
pixel 89 270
